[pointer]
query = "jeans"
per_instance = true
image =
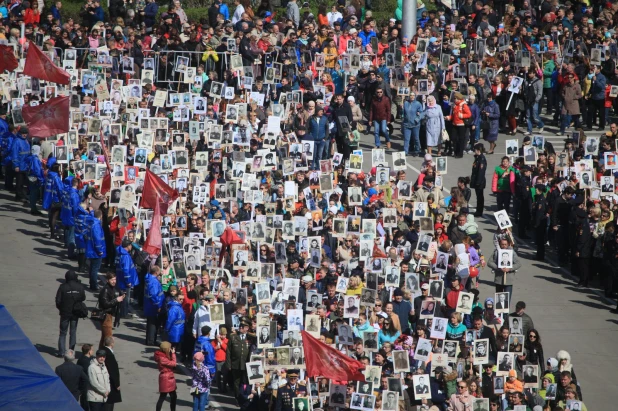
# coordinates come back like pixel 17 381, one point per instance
pixel 200 401
pixel 124 305
pixel 106 329
pixel 35 194
pixel 69 240
pixel 318 147
pixel 459 140
pixel 533 116
pixel 566 120
pixel 596 105
pixel 409 133
pixel 95 265
pixel 65 323
pixel 381 125
pixel 20 181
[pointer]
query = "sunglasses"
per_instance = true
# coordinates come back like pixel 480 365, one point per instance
pixel 463 387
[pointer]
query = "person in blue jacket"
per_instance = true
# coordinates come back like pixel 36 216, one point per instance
pixel 413 114
pixel 5 145
pixel 214 208
pixel 318 132
pixel 204 344
pixel 4 131
pixel 36 178
pixel 51 195
pixel 80 233
pixel 20 149
pixel 70 203
pixel 95 247
pixel 126 273
pixel 153 301
pixel 175 324
pixel 150 13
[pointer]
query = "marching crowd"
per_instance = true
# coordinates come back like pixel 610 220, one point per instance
pixel 211 180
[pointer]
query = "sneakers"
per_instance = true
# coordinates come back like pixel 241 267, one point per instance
pixel 541 129
pixel 527 133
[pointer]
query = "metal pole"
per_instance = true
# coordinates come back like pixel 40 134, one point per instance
pixel 409 20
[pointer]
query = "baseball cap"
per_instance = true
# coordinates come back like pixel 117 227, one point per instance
pixel 425 286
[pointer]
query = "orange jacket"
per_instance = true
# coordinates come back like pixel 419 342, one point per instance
pixel 460 108
pixel 220 352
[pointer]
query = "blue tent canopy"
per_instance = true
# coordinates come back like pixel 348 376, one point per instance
pixel 27 381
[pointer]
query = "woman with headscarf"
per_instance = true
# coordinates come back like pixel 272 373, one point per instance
pixel 435 125
pixel 166 361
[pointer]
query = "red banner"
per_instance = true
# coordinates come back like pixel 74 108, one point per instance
pixel 49 118
pixel 157 191
pixel 40 66
pixel 154 240
pixel 323 360
pixel 8 61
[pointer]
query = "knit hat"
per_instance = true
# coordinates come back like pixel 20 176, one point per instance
pixel 198 356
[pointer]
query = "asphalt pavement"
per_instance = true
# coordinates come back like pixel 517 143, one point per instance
pixel 569 318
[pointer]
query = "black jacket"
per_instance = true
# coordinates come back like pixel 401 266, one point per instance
pixel 343 110
pixel 114 377
pixel 73 376
pixel 479 167
pixel 107 299
pixel 68 294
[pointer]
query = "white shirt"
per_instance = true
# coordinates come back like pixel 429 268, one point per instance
pixel 238 13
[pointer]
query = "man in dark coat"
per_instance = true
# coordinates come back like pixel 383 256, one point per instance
pixel 68 294
pixel 72 375
pixel 237 356
pixel 340 108
pixel 114 374
pixel 582 246
pixel 84 362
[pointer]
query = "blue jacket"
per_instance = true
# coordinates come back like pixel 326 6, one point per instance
pixel 223 9
pixel 56 13
pixel 35 168
pixel 402 310
pixel 211 213
pixel 4 127
pixel 366 36
pixel 99 15
pixel 597 91
pixel 410 117
pixel 150 13
pixel 20 149
pixel 80 227
pixel 318 128
pixel 153 296
pixel 204 345
pixel 70 202
pixel 125 269
pixel 53 190
pixel 95 239
pixel 175 324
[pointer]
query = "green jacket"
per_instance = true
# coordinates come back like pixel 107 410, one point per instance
pixel 548 69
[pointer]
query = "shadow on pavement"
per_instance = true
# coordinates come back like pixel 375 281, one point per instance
pixel 553 279
pixel 36 223
pixel 46 349
pixel 592 304
pixel 132 338
pixel 28 232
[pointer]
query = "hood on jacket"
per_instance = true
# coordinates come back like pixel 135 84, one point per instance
pixel 564 355
pixel 70 276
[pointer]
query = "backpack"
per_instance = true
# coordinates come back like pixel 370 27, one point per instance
pixel 530 94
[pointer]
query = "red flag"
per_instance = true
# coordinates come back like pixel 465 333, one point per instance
pixel 40 66
pixel 230 237
pixel 157 191
pixel 106 184
pixel 329 363
pixel 8 61
pixel 49 118
pixel 154 240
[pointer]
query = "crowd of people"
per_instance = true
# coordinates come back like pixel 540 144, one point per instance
pixel 211 179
